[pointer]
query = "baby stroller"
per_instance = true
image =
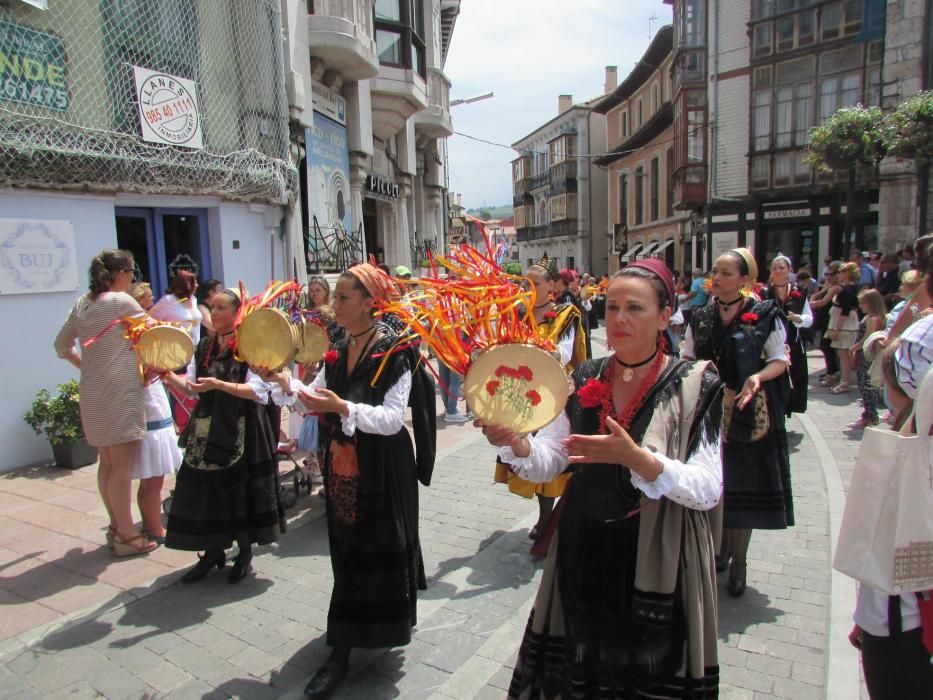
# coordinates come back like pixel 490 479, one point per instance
pixel 297 478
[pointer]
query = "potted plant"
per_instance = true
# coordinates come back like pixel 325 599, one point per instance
pixel 59 418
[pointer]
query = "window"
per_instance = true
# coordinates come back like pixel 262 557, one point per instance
pixel 839 91
pixel 638 114
pixel 785 33
pixel 623 199
pixel 760 170
pixel 669 181
pixel 137 38
pixel 761 39
pixel 654 98
pixel 400 34
pixel 655 188
pixel 639 194
pixel 761 120
pixel 840 19
pixel 570 262
pixel 693 24
pixel 623 123
pixel 782 168
pixel 696 137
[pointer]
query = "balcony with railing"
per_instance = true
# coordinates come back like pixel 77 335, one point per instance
pixel 435 121
pixel 541 232
pixel 340 33
pixel 539 181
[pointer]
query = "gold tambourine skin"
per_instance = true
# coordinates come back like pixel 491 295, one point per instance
pixel 266 338
pixel 517 386
pixel 164 348
pixel 312 343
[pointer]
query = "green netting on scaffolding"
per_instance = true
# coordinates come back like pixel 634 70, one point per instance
pixel 153 96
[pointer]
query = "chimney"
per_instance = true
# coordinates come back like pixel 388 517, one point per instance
pixel 612 79
pixel 564 102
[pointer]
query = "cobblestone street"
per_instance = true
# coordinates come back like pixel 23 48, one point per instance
pixel 79 625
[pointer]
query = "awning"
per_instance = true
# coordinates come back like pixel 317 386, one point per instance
pixel 650 249
pixel 632 251
pixel 668 242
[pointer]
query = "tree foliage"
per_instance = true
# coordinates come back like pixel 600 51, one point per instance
pixel 908 130
pixel 851 137
pixel 512 268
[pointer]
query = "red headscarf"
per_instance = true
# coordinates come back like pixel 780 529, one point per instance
pixel 379 285
pixel 660 271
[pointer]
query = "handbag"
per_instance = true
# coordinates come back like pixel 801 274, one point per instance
pixel 886 537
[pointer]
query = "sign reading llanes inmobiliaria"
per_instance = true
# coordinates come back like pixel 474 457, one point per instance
pixel 169 111
pixel 32 67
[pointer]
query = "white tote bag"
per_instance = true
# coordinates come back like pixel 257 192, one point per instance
pixel 886 538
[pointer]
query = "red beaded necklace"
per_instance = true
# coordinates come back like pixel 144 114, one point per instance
pixel 625 416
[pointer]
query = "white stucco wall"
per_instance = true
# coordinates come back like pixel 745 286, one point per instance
pixel 31 321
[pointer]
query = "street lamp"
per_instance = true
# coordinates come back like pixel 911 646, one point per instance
pixel 454 103
pixel 471 100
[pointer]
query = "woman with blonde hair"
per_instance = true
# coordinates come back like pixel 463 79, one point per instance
pixel 112 407
pixel 871 304
pixel 746 339
pixel 843 325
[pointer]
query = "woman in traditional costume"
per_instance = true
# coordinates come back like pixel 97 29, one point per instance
pixel 227 487
pixel 113 413
pixel 796 315
pixel 561 324
pixel 567 291
pixel 370 475
pixel 745 338
pixel 627 605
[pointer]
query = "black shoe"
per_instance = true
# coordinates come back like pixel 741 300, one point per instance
pixel 205 563
pixel 241 567
pixel 722 564
pixel 737 583
pixel 325 680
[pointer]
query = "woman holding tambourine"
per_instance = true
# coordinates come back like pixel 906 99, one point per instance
pixel 746 339
pixel 562 324
pixel 627 602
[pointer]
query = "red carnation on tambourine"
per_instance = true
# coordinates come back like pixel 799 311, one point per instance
pixel 492 387
pixel 748 318
pixel 512 388
pixel 592 393
pixel 533 396
pixel 331 356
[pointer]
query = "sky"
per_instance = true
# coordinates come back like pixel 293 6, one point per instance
pixel 528 53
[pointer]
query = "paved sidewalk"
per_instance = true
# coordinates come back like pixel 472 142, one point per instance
pixel 78 624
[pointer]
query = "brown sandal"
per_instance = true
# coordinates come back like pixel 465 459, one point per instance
pixel 128 548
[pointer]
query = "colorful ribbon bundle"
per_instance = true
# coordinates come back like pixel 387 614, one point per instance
pixel 481 306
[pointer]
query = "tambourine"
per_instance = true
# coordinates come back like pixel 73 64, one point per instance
pixel 266 338
pixel 517 386
pixel 312 343
pixel 164 348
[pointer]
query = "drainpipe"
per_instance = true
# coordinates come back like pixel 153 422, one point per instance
pixel 715 111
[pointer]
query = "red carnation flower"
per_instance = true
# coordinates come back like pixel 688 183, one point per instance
pixel 524 372
pixel 550 315
pixel 592 393
pixel 534 397
pixel 492 388
pixel 331 356
pixel 748 317
pixel 794 294
pixel 502 370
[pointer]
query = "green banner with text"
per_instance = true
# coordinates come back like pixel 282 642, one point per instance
pixel 32 67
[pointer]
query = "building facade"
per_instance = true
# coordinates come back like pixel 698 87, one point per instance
pixel 370 109
pixel 750 80
pixel 640 129
pixel 161 128
pixel 559 197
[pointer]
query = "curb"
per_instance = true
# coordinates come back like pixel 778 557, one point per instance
pixel 842 667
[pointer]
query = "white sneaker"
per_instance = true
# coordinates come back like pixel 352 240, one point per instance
pixel 455 418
